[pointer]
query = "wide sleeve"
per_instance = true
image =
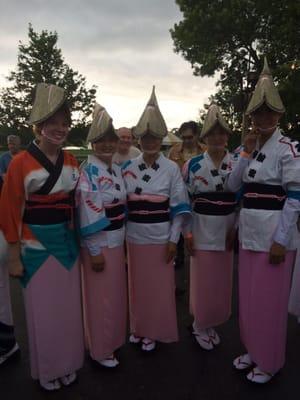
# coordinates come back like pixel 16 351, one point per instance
pixel 187 177
pixel 12 201
pixel 234 179
pixel 179 205
pixel 91 212
pixel 179 199
pixel 290 166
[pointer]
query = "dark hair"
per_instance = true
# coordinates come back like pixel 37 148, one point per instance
pixel 192 125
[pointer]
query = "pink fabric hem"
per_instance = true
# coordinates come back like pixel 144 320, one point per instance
pixel 54 321
pixel 211 287
pixel 263 307
pixel 105 303
pixel 151 293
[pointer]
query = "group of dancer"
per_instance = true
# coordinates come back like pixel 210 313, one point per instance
pixel 66 232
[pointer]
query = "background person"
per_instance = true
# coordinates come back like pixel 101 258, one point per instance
pixel 13 144
pixel 125 149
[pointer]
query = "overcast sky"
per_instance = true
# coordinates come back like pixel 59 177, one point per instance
pixel 123 47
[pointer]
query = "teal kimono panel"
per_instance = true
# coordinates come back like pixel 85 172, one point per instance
pixel 59 241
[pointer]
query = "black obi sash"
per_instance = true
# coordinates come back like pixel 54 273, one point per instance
pixel 116 215
pixel 148 212
pixel 214 203
pixel 263 197
pixel 43 208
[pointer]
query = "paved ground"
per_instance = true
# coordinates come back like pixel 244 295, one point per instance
pixel 179 371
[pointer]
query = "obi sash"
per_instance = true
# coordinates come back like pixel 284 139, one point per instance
pixel 214 203
pixel 263 197
pixel 116 215
pixel 48 216
pixel 148 212
pixel 42 208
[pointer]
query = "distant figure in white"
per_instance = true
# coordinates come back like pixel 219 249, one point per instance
pixel 125 151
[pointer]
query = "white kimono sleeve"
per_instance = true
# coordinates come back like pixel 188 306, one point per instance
pixel 92 218
pixel 179 205
pixel 291 209
pixel 234 180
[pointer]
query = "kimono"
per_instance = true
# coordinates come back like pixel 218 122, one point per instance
pixel 7 337
pixel 294 301
pixel 270 208
pixel 37 211
pixel 101 198
pixel 157 203
pixel 213 217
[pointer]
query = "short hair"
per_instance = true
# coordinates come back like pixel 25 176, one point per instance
pixel 122 130
pixel 13 138
pixel 192 125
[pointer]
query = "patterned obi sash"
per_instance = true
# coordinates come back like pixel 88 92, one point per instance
pixel 116 214
pixel 49 209
pixel 263 197
pixel 214 203
pixel 148 209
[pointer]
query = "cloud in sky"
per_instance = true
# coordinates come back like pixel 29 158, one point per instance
pixel 123 47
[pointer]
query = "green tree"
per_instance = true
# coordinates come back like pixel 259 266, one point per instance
pixel 228 38
pixel 40 60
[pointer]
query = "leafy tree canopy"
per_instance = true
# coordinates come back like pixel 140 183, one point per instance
pixel 40 60
pixel 229 38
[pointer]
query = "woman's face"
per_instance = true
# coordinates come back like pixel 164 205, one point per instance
pixel 265 120
pixel 150 144
pixel 105 147
pixel 217 139
pixel 55 129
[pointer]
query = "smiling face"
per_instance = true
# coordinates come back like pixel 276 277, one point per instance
pixel 56 128
pixel 105 147
pixel 265 120
pixel 216 139
pixel 150 144
pixel 125 141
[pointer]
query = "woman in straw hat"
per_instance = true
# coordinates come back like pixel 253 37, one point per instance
pixel 212 228
pixel 102 196
pixel 268 169
pixel 157 203
pixel 37 221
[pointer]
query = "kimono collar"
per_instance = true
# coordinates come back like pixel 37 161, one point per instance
pixel 270 142
pixel 143 165
pixel 101 164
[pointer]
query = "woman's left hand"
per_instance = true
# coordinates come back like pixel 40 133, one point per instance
pixel 277 253
pixel 171 252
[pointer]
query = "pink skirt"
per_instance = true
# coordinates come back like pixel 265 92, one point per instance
pixel 151 293
pixel 211 287
pixel 263 307
pixel 54 321
pixel 294 302
pixel 105 303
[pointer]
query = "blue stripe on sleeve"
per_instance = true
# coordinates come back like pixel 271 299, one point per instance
pixel 180 209
pixel 95 227
pixel 293 194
